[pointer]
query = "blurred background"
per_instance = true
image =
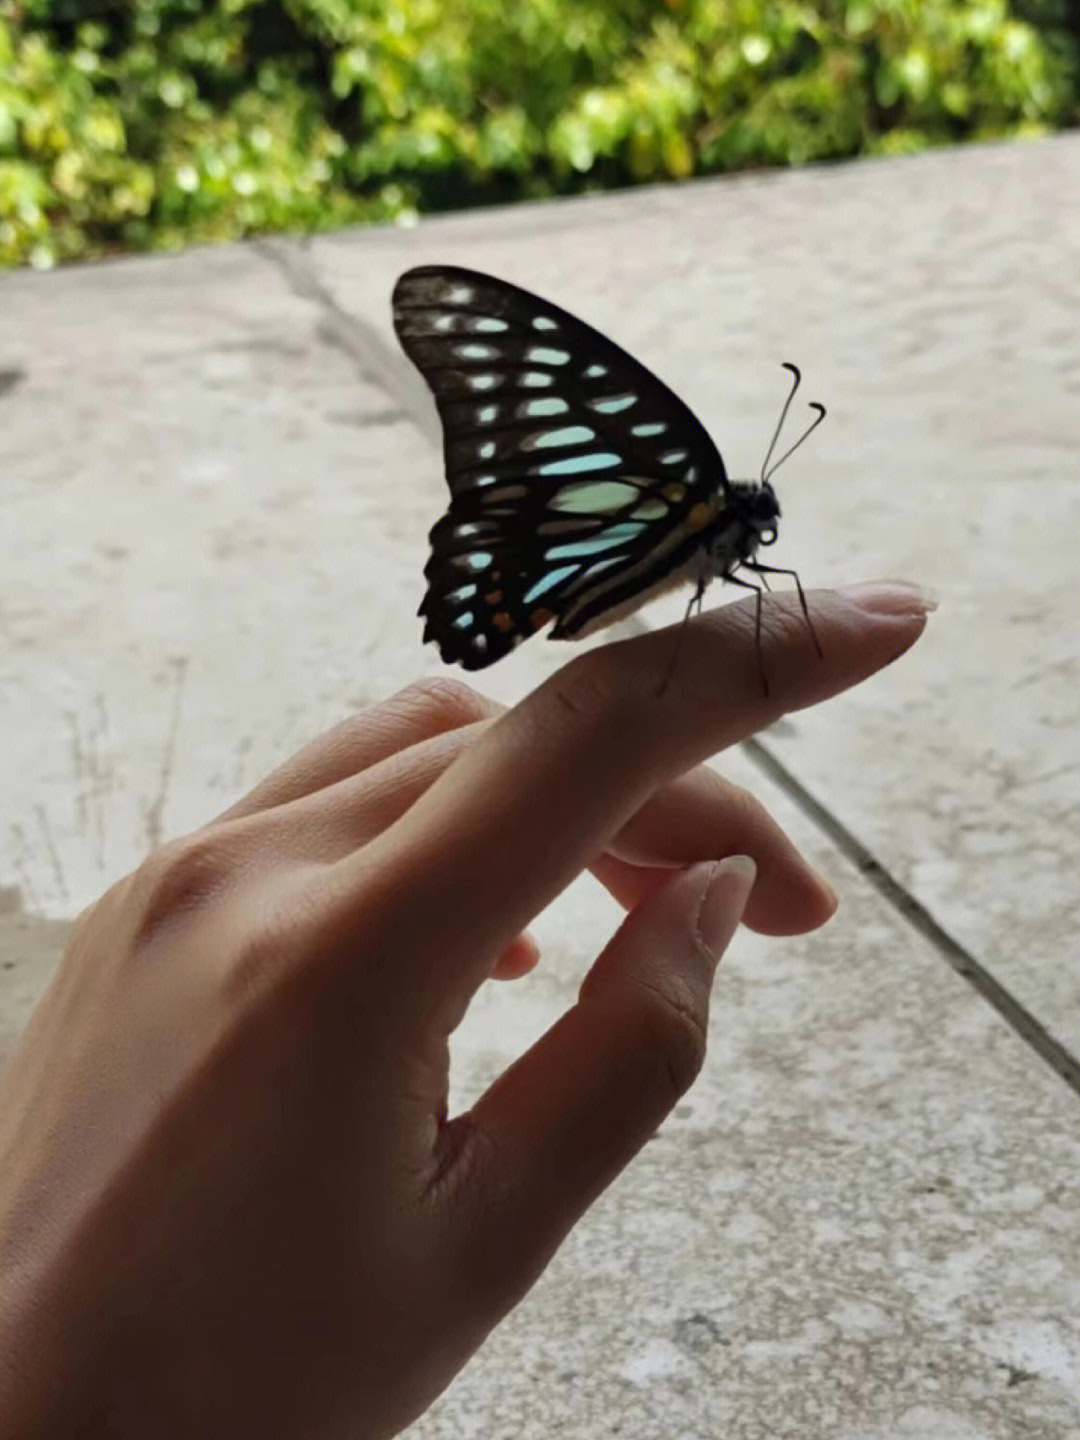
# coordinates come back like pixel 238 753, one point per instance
pixel 136 127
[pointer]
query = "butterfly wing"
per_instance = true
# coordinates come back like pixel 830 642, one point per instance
pixel 578 479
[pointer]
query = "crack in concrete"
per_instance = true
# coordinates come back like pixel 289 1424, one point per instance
pixel 357 338
pixel 919 918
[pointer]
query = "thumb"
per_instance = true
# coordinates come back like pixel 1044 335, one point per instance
pixel 566 1118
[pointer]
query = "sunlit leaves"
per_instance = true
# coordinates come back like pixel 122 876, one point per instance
pixel 170 120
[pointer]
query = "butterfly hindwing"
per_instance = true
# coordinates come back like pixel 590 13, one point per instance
pixel 578 479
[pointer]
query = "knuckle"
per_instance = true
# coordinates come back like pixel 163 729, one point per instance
pixel 443 702
pixel 487 1259
pixel 669 1035
pixel 180 876
pixel 744 811
pixel 586 687
pixel 277 933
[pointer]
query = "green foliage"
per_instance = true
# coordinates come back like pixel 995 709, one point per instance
pixel 171 121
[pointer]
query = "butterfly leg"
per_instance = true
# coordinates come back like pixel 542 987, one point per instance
pixel 764 570
pixel 695 599
pixel 758 590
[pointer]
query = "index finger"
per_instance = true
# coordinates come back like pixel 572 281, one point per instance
pixel 518 815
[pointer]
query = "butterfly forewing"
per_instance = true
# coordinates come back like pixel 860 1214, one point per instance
pixel 578 479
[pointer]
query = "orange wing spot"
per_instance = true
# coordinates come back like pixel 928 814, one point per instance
pixel 673 491
pixel 495 598
pixel 541 617
pixel 502 622
pixel 701 515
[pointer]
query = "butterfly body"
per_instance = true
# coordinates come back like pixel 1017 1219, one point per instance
pixel 721 537
pixel 581 486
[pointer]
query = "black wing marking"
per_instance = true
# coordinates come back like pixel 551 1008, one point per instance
pixel 577 478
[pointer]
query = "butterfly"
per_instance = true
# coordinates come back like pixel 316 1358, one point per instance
pixel 581 486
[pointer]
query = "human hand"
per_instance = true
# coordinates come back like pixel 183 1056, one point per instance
pixel 231 1200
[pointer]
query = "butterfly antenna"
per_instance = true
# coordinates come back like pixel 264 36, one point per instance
pixel 783 416
pixel 806 433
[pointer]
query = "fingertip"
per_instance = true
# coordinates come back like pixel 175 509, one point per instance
pixel 519 958
pixel 793 902
pixel 891 597
pixel 723 900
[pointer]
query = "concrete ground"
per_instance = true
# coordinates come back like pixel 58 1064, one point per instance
pixel 863 1223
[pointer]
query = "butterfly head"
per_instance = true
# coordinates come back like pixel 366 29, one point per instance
pixel 762 512
pixel 747 520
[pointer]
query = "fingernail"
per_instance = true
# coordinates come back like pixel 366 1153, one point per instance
pixel 723 902
pixel 833 897
pixel 891 597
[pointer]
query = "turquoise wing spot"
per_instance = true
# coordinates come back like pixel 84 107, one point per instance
pixel 567 435
pixel 578 464
pixel 612 404
pixel 650 510
pixel 600 565
pixel 546 405
pixel 546 355
pixel 596 497
pixel 547 582
pixel 580 549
